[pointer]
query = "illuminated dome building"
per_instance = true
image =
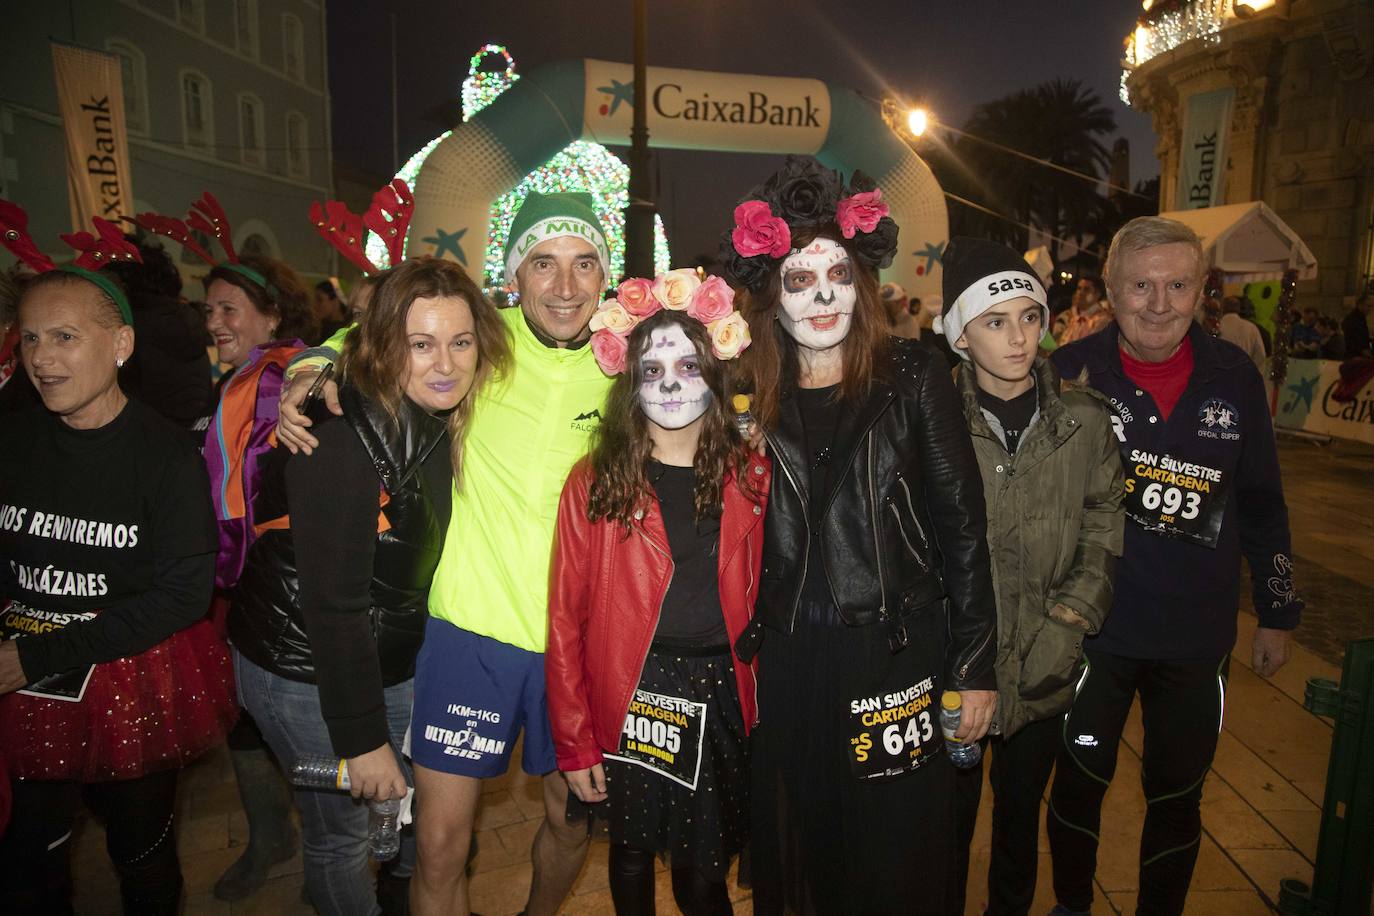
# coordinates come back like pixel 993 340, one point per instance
pixel 1268 100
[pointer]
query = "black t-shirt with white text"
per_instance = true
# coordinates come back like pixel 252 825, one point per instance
pixel 115 520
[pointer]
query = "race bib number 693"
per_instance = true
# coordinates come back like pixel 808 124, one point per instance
pixel 1173 497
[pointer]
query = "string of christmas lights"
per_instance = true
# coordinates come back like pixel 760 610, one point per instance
pixel 1171 27
pixel 482 87
pixel 1168 25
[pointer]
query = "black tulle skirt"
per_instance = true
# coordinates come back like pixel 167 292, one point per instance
pixel 693 813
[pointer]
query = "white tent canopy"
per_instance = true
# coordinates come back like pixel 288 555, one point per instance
pixel 1248 241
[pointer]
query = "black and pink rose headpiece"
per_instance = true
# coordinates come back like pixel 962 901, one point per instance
pixel 805 196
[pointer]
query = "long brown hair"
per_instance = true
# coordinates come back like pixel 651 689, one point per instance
pixel 771 363
pixel 376 353
pixel 286 298
pixel 621 446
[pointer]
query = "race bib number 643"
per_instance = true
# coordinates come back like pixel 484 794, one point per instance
pixel 892 732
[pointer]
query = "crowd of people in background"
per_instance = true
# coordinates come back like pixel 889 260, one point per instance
pixel 412 532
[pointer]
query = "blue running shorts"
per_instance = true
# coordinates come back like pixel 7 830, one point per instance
pixel 473 694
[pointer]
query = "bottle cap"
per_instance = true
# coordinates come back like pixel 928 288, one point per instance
pixel 740 402
pixel 950 699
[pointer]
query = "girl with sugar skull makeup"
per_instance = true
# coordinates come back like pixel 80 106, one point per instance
pixel 655 571
pixel 875 593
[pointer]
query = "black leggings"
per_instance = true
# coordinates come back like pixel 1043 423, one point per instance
pixel 35 850
pixel 1181 703
pixel 632 886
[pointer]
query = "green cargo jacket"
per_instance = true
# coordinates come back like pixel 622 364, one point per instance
pixel 1055 525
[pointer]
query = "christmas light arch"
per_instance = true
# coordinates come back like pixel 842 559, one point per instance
pixel 580 166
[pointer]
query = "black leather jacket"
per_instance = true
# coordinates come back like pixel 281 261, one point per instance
pixel 266 623
pixel 904 525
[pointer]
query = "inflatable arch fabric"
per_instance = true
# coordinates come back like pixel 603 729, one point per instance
pixel 593 100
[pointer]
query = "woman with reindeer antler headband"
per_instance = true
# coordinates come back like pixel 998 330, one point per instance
pixel 331 608
pixel 875 593
pixel 111 678
pixel 258 314
pixel 251 300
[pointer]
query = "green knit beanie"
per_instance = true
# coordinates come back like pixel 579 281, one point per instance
pixel 549 216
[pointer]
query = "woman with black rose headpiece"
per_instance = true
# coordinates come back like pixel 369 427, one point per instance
pixel 875 593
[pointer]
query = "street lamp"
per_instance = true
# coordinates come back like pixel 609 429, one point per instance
pixel 639 215
pixel 917 120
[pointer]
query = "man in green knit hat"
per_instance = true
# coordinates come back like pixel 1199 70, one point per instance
pixel 479 679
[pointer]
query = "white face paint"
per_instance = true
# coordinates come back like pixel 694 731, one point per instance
pixel 818 294
pixel 672 390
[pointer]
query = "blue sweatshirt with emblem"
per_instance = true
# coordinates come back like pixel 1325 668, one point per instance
pixel 1176 597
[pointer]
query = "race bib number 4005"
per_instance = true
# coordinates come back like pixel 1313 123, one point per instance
pixel 893 733
pixel 1173 497
pixel 664 734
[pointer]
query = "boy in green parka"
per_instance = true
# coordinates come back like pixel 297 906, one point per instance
pixel 1053 481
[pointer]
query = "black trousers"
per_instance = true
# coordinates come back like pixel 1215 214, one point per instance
pixel 1181 704
pixel 35 850
pixel 1018 773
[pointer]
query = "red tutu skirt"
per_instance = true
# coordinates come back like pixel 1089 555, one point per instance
pixel 157 710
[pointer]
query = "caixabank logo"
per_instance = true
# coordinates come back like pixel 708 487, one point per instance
pixel 672 101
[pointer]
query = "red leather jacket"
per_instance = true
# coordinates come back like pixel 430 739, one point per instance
pixel 605 593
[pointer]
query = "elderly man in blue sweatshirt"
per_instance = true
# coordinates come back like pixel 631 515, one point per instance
pixel 1202 489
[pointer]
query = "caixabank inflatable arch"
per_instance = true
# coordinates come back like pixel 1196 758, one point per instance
pixel 572 100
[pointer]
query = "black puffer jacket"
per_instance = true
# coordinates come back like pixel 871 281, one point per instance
pixel 266 623
pixel 905 525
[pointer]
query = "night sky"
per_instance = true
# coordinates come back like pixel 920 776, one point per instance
pixel 951 56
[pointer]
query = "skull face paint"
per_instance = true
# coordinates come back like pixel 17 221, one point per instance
pixel 818 294
pixel 672 391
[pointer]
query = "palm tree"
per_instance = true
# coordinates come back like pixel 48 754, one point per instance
pixel 1062 122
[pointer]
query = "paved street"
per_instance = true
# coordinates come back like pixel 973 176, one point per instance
pixel 1260 806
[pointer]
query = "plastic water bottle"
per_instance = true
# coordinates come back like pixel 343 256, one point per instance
pixel 743 418
pixel 317 771
pixel 384 829
pixel 962 754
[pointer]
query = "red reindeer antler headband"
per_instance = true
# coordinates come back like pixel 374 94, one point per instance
pixel 94 252
pixel 14 230
pixel 389 217
pixel 208 217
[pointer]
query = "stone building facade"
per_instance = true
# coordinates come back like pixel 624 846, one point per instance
pixel 227 96
pixel 1300 135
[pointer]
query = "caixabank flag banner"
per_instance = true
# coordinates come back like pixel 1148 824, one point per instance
pixel 1307 402
pixel 1202 156
pixel 90 97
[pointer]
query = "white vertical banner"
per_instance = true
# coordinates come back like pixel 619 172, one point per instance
pixel 90 96
pixel 1202 154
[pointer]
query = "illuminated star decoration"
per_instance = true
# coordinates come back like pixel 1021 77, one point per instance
pixel 619 92
pixel 1303 391
pixel 934 254
pixel 447 241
